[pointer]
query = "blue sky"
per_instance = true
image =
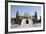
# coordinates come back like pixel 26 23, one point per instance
pixel 24 9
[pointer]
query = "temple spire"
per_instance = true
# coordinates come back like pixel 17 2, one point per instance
pixel 35 14
pixel 17 14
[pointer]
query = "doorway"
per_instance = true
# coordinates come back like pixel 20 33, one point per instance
pixel 27 21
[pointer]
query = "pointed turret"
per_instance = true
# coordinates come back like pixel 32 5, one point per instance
pixel 17 14
pixel 35 14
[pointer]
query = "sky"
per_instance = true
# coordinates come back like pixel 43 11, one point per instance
pixel 25 9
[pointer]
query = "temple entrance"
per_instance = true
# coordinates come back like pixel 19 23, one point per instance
pixel 27 22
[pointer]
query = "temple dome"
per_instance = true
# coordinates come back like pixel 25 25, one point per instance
pixel 27 14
